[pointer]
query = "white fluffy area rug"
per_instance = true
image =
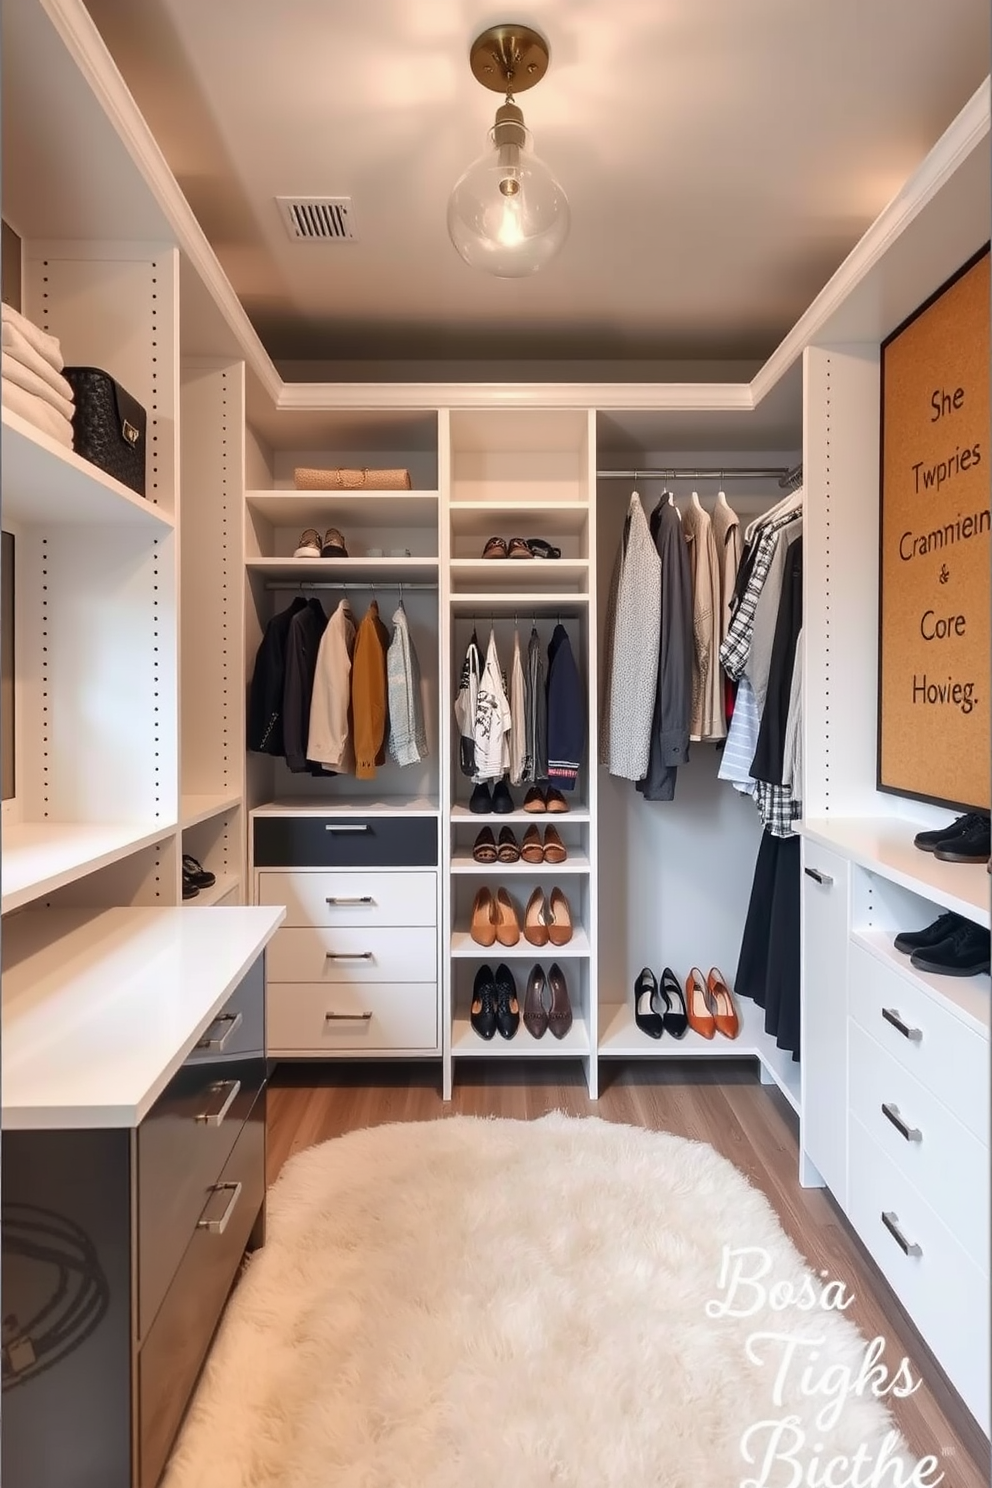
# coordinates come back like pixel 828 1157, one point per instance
pixel 471 1303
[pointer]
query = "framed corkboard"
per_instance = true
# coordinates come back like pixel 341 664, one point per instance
pixel 934 589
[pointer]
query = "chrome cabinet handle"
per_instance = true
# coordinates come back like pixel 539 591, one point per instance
pixel 909 1247
pixel 347 955
pixel 347 827
pixel 347 1017
pixel 218 1226
pixel 911 1133
pixel 818 877
pixel 215 1118
pixel 891 1016
pixel 233 1021
pixel 343 899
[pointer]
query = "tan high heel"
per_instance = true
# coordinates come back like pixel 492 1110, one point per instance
pixel 483 929
pixel 536 919
pixel 560 925
pixel 724 1012
pixel 697 1004
pixel 507 919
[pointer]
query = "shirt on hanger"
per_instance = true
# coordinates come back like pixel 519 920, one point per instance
pixel 330 736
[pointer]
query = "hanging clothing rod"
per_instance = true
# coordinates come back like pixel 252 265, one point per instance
pixel 782 473
pixel 398 584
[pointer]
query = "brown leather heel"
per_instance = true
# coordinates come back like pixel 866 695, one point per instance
pixel 507 919
pixel 560 923
pixel 483 928
pixel 697 1004
pixel 560 1012
pixel 535 1013
pixel 536 919
pixel 724 1011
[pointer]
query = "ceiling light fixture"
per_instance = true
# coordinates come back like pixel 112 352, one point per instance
pixel 508 214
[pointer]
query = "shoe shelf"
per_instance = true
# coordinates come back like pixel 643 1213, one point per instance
pixel 45 482
pixel 885 847
pixel 227 884
pixel 547 519
pixel 464 948
pixel 466 1043
pixel 576 862
pixel 559 577
pixel 386 571
pixel 546 604
pixel 40 857
pixel 461 814
pixel 320 509
pixel 969 997
pixel 194 809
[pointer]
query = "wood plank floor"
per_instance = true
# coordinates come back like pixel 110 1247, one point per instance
pixel 748 1123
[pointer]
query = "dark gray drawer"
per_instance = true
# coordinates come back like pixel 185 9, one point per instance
pixel 239 1027
pixel 174 1350
pixel 183 1144
pixel 345 841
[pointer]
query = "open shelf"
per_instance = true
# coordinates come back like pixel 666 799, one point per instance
pixel 348 806
pixel 40 857
pixel 513 601
pixel 371 571
pixel 546 575
pixel 45 482
pixel 460 814
pixel 196 809
pixel 226 883
pixel 346 508
pixel 886 847
pixel 547 519
pixel 969 997
pixel 464 948
pixel 577 862
pixel 620 1038
pixel 466 1043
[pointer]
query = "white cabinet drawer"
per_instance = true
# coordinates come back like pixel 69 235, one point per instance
pixel 949 1059
pixel 948 1165
pixel 942 1289
pixel 352 955
pixel 311 1020
pixel 351 898
pixel 824 932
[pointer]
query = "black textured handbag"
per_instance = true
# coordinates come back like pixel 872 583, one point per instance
pixel 108 426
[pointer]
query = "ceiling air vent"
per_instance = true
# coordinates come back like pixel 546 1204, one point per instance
pixel 318 219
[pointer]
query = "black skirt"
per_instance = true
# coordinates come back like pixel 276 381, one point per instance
pixel 768 970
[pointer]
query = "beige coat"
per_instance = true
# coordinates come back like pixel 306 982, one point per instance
pixel 330 742
pixel 708 715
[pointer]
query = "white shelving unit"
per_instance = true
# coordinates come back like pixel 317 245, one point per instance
pixel 40 858
pixel 463 947
pixel 196 809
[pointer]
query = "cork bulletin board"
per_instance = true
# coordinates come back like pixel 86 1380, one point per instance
pixel 934 654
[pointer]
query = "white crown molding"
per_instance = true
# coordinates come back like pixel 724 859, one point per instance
pixel 85 45
pixel 954 146
pixel 679 397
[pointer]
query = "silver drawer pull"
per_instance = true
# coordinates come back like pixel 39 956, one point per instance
pixel 214 1118
pixel 347 827
pixel 233 1021
pixel 342 899
pixel 347 955
pixel 891 1223
pixel 347 1017
pixel 218 1226
pixel 911 1133
pixel 818 877
pixel 891 1016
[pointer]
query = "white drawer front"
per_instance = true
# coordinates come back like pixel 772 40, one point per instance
pixel 305 1019
pixel 948 1165
pixel 352 898
pixel 944 1055
pixel 942 1289
pixel 352 955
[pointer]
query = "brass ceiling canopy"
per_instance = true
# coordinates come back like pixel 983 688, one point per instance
pixel 509 59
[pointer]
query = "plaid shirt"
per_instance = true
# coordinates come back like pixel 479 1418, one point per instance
pixel 736 649
pixel 776 808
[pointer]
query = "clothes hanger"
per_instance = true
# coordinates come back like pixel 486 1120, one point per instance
pixel 792 502
pixel 721 500
pixel 694 498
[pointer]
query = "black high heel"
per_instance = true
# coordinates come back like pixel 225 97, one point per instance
pixel 676 1022
pixel 645 991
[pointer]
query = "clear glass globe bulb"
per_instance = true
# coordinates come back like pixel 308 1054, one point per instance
pixel 508 214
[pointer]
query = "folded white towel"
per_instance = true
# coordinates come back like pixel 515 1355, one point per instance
pixel 36 411
pixel 46 345
pixel 16 345
pixel 61 399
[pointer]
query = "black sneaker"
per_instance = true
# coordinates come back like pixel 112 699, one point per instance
pixel 507 1005
pixel 909 941
pixel 928 841
pixel 482 801
pixel 483 1015
pixel 971 846
pixel 965 953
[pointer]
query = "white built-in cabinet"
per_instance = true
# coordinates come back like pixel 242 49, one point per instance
pixel 138 620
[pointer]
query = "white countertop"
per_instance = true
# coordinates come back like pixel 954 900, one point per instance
pixel 101 1008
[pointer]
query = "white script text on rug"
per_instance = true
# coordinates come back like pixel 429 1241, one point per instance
pixel 502 1304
